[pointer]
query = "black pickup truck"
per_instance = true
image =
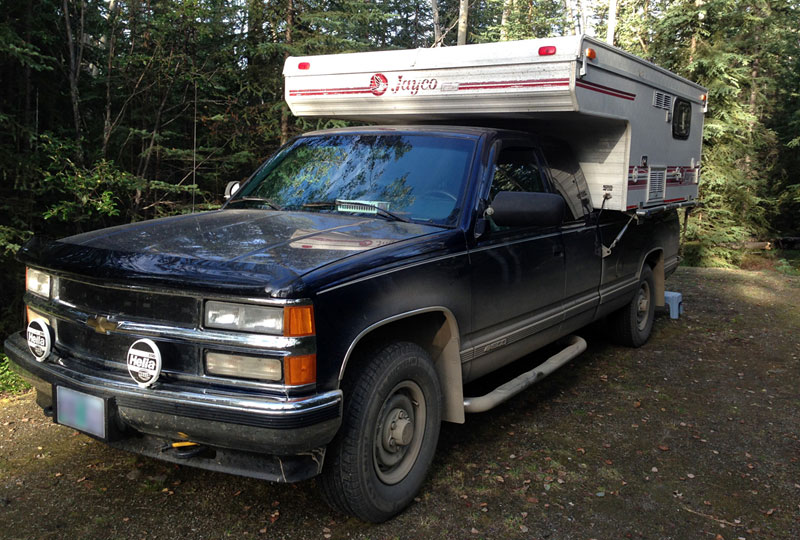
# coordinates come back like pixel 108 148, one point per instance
pixel 326 319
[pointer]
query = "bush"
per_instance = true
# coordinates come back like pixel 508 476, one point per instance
pixel 10 382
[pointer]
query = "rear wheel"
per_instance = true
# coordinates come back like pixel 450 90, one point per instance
pixel 632 324
pixel 390 427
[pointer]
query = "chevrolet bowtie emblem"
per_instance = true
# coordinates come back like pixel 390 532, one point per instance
pixel 101 325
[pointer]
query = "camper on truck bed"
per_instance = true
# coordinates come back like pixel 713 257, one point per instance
pixel 326 319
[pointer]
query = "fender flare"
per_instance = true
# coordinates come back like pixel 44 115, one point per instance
pixel 447 363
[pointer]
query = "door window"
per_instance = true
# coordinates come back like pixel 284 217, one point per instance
pixel 517 169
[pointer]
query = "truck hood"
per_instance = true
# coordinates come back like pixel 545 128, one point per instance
pixel 252 249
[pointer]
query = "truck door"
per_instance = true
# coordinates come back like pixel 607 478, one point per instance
pixel 517 272
pixel 580 235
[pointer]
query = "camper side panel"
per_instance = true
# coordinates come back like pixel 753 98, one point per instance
pixel 665 115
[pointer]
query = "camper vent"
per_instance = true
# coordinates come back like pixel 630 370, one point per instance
pixel 657 179
pixel 662 100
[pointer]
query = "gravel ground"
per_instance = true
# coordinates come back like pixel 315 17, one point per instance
pixel 695 435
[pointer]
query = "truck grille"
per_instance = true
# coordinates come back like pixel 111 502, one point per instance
pixel 177 310
pixel 107 352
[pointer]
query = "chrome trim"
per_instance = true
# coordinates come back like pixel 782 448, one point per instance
pixel 260 404
pixel 243 383
pixel 579 303
pixel 267 344
pixel 519 334
pixel 614 289
pixel 168 291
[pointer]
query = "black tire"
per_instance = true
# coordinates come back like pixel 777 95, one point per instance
pixel 378 461
pixel 632 324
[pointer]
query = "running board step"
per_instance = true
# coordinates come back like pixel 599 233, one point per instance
pixel 575 346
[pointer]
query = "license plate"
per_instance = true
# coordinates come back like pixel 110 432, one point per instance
pixel 81 411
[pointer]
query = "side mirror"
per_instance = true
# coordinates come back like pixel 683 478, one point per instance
pixel 523 209
pixel 232 188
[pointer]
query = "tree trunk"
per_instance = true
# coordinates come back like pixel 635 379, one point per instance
pixel 285 111
pixel 507 5
pixel 25 142
pixel 109 40
pixel 612 21
pixel 571 13
pixel 463 10
pixel 437 28
pixel 583 8
pixel 75 46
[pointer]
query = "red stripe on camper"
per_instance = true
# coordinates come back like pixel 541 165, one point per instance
pixel 330 91
pixel 490 85
pixel 606 90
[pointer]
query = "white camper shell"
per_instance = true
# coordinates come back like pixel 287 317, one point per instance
pixel 636 128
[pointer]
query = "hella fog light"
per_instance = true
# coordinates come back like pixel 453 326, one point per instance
pixel 244 317
pixel 243 367
pixel 37 282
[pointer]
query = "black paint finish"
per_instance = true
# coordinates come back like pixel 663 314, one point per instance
pixel 508 290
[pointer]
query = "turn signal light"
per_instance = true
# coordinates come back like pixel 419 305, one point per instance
pixel 299 370
pixel 298 321
pixel 547 51
pixel 32 315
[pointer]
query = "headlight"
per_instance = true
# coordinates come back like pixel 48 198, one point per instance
pixel 241 366
pixel 290 321
pixel 244 317
pixel 37 282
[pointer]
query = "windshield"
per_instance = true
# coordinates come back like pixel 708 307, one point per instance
pixel 394 176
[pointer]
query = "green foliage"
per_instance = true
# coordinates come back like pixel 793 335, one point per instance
pixel 10 382
pixel 512 20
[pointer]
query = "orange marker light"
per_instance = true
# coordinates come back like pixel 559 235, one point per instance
pixel 298 321
pixel 591 54
pixel 31 315
pixel 299 370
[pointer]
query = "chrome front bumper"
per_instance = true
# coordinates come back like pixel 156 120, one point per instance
pixel 245 420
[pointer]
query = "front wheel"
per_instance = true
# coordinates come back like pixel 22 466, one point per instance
pixel 632 324
pixel 390 427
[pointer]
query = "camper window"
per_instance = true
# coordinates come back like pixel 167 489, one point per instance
pixel 681 119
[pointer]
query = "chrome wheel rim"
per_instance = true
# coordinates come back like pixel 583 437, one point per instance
pixel 399 432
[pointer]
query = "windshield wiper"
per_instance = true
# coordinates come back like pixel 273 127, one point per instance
pixel 255 199
pixel 335 204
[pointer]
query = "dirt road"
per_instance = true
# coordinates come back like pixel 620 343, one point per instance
pixel 695 435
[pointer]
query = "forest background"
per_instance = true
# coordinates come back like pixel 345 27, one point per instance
pixel 115 111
